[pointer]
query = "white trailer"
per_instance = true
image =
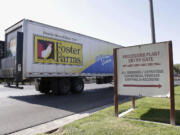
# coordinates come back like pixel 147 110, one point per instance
pixel 58 59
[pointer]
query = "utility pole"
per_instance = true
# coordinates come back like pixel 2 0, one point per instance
pixel 152 21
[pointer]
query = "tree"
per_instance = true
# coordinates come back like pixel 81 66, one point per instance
pixel 176 68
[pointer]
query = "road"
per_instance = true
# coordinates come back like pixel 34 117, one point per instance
pixel 20 109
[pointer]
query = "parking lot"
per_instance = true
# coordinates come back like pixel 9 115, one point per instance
pixel 23 108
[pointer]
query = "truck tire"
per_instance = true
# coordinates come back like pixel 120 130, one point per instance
pixel 41 86
pixel 77 85
pixel 107 79
pixel 55 87
pixel 64 86
pixel 99 81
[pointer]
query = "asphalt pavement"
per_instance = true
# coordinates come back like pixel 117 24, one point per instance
pixel 24 108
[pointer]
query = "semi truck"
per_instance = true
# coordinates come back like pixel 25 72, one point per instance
pixel 57 59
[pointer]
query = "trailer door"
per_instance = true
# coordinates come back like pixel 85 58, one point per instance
pixel 19 57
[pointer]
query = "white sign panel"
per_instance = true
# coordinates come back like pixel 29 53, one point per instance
pixel 144 70
pixel 176 80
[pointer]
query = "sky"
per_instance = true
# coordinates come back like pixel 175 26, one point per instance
pixel 124 22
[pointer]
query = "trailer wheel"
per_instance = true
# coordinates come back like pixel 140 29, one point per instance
pixel 55 87
pixel 77 85
pixel 99 81
pixel 41 86
pixel 108 79
pixel 64 86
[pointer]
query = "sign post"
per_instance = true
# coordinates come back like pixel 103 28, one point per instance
pixel 144 70
pixel 133 102
pixel 171 75
pixel 115 83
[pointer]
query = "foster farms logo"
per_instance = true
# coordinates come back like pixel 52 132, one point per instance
pixel 69 53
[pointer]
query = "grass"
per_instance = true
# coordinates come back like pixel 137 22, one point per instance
pixel 149 109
